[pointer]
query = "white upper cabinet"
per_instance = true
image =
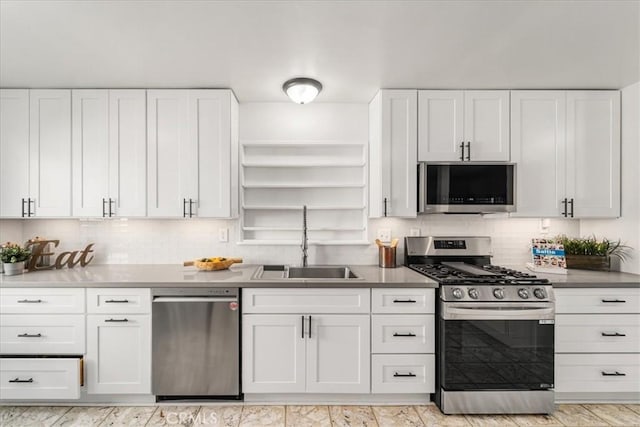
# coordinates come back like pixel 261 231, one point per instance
pixel 50 152
pixel 192 153
pixel 441 125
pixel 109 153
pixel 393 154
pixel 593 153
pixel 14 152
pixel 566 145
pixel 538 149
pixel 456 125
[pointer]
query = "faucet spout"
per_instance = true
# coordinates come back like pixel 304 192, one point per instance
pixel 305 239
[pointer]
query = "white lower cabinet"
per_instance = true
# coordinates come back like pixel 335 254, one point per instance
pixel 610 373
pixel 40 378
pixel 403 373
pixel 118 354
pixel 55 334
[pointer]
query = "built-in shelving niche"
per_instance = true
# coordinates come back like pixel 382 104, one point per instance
pixel 279 177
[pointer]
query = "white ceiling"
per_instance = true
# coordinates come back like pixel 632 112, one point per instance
pixel 352 47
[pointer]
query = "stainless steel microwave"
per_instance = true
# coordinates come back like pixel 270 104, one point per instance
pixel 466 188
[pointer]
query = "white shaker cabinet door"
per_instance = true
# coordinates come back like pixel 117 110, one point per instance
pixel 339 354
pixel 128 152
pixel 538 148
pixel 273 353
pixel 172 154
pixel 593 150
pixel 90 118
pixel 486 125
pixel 118 354
pixel 14 152
pixel 440 125
pixel 393 151
pixel 50 152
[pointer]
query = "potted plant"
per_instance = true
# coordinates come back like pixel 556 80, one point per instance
pixel 13 257
pixel 589 253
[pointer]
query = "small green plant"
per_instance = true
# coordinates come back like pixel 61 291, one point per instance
pixel 13 253
pixel 592 246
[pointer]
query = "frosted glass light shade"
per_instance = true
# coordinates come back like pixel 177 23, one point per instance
pixel 302 90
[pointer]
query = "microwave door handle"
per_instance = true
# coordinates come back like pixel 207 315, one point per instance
pixel 422 187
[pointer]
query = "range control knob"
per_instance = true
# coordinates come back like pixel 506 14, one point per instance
pixel 457 293
pixel 539 293
pixel 524 293
pixel 473 293
pixel 498 293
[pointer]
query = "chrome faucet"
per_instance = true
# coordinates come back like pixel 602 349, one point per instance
pixel 305 239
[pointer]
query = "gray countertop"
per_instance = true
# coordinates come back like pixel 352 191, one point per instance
pixel 168 275
pixel 239 275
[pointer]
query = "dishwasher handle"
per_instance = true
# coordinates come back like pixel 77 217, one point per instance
pixel 195 299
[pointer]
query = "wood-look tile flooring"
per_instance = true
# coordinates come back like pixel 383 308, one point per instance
pixel 303 416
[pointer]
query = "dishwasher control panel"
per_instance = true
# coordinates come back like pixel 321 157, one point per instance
pixel 201 292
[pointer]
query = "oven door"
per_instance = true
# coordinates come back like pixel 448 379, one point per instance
pixel 493 346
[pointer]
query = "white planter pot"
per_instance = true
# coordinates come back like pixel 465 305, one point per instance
pixel 11 269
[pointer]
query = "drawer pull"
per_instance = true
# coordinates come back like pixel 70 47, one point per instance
pixel 116 301
pixel 614 374
pixel 18 380
pixel 410 301
pixel 117 320
pixel 410 334
pixel 615 334
pixel 29 301
pixel 614 300
pixel 410 374
pixel 30 336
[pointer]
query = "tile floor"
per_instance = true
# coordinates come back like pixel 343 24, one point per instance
pixel 303 416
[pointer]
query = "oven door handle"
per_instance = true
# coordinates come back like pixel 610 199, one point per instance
pixel 497 312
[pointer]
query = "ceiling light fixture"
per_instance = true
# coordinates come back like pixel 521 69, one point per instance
pixel 302 90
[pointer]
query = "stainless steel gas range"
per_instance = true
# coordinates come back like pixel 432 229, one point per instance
pixel 495 329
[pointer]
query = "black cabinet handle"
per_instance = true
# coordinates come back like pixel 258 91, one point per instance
pixel 564 212
pixel 410 334
pixel 191 202
pixel 302 327
pixel 614 334
pixel 110 209
pixel 30 301
pixel 30 336
pixel 614 300
pixel 614 374
pixel 18 380
pixel 462 151
pixel 29 201
pixel 23 212
pixel 409 301
pixel 385 206
pixel 104 211
pixel 571 212
pixel 116 301
pixel 117 320
pixel 184 208
pixel 410 374
pixel 468 150
pixel 309 327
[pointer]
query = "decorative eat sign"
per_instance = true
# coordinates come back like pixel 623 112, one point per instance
pixel 69 259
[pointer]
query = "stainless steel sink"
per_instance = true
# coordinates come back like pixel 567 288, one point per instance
pixel 317 273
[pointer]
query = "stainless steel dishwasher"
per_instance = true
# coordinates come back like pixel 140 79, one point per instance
pixel 196 343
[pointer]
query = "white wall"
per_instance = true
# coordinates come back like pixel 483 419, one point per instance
pixel 627 227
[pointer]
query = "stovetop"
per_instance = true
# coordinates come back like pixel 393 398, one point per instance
pixel 454 274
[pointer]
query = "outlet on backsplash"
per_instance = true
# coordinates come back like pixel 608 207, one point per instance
pixel 414 232
pixel 384 234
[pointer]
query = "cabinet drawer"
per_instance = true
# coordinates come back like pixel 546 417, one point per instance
pixel 403 301
pixel 42 334
pixel 597 373
pixel 402 334
pixel 119 300
pixel 41 301
pixel 402 373
pixel 598 333
pixel 39 379
pixel 306 301
pixel 597 300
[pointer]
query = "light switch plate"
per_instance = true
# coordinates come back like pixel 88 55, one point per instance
pixel 223 234
pixel 384 234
